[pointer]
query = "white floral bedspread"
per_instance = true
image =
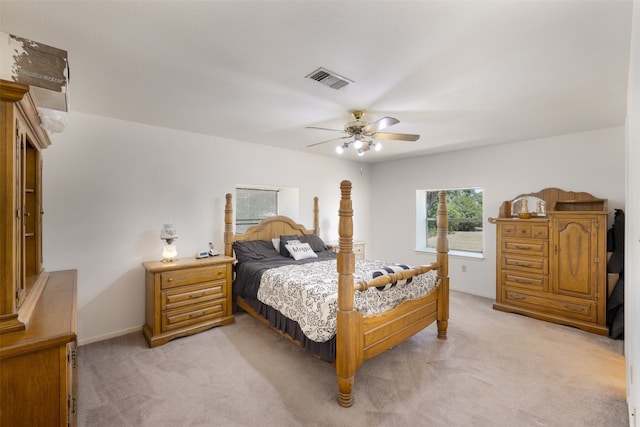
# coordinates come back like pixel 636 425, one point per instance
pixel 308 294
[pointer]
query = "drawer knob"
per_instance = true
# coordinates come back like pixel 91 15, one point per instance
pixel 170 279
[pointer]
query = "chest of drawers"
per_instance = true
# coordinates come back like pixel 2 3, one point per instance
pixel 186 296
pixel 553 267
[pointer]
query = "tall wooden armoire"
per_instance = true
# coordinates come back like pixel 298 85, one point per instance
pixel 551 258
pixel 38 363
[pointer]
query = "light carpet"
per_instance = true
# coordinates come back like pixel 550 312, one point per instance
pixel 495 369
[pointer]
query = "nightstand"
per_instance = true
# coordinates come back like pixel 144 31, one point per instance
pixel 186 296
pixel 358 248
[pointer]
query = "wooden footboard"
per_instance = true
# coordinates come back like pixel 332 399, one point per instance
pixel 360 337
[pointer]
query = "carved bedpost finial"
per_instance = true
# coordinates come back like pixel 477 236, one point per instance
pixel 228 226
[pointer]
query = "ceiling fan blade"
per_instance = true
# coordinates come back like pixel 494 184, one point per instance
pixel 380 124
pixel 328 140
pixel 395 136
pixel 315 127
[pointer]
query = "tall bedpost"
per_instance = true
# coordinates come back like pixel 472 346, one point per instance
pixel 316 216
pixel 228 226
pixel 442 248
pixel 347 336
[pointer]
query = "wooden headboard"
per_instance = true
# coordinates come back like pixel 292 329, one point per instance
pixel 268 229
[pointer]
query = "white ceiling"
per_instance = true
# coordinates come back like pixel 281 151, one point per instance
pixel 459 73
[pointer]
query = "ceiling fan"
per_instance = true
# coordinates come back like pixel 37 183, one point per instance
pixel 365 134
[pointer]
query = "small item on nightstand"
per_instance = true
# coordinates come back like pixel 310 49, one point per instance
pixel 212 250
pixel 202 254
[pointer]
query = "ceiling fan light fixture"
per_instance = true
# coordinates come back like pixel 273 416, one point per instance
pixel 377 146
pixel 339 149
pixel 357 142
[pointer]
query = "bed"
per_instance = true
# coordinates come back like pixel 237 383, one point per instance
pixel 358 333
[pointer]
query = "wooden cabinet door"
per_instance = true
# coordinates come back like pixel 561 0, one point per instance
pixel 575 256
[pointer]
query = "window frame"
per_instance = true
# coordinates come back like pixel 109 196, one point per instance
pixel 422 221
pixel 246 223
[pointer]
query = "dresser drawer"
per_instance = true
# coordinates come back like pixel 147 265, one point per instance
pixel 526 247
pixel 192 314
pixel 576 310
pixel 192 294
pixel 171 279
pixel 538 265
pixel 532 231
pixel 529 281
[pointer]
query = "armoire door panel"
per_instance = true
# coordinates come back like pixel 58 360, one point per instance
pixel 574 247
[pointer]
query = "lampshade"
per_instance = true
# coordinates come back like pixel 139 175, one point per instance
pixel 168 233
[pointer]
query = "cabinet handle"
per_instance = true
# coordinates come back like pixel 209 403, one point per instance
pixel 196 315
pixel 575 308
pixel 523 264
pixel 72 404
pixel 517 296
pixel 526 282
pixel 527 248
pixel 198 295
pixel 170 279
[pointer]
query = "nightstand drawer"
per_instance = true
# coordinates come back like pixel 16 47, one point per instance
pixel 537 265
pixel 190 315
pixel 171 279
pixel 193 294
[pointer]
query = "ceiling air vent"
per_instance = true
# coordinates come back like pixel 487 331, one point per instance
pixel 329 78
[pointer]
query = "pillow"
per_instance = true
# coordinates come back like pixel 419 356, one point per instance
pixel 389 270
pixel 252 250
pixel 315 242
pixel 284 239
pixel 276 244
pixel 300 251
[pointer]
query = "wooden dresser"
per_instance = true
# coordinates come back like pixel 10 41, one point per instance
pixel 186 296
pixel 38 314
pixel 552 266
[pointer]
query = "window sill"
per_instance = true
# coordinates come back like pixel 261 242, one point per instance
pixel 455 253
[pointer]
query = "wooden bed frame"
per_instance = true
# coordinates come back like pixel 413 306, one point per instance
pixel 360 337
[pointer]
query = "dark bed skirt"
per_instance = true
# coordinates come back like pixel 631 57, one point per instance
pixel 324 350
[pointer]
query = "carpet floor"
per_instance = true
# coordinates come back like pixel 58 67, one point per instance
pixel 495 369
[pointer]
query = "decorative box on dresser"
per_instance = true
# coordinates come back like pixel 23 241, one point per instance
pixel 551 260
pixel 38 314
pixel 186 296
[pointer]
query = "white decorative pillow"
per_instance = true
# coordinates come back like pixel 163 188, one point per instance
pixel 300 251
pixel 276 244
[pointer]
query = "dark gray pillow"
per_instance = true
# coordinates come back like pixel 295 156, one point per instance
pixel 253 250
pixel 315 242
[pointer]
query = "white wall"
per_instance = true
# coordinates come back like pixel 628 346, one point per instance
pixel 109 185
pixel 590 161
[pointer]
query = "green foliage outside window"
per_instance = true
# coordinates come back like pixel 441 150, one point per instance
pixel 464 208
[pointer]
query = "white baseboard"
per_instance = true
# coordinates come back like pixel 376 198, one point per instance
pixel 114 334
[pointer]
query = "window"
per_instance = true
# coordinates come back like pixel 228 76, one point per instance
pixel 465 220
pixel 253 205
